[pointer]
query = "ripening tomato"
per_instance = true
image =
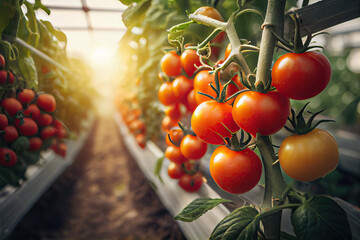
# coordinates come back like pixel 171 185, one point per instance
pixel 192 147
pixel 35 144
pixel 176 135
pixel 10 134
pixel 173 111
pixel 166 94
pixel 3 120
pixel 12 106
pixel 175 171
pixel 264 113
pixel 44 120
pixel 191 183
pixel 208 122
pixel 182 86
pixel 168 123
pixel 309 156
pixel 190 61
pixel 48 132
pixel 174 154
pixel 301 75
pixel 227 51
pixel 8 157
pixel 171 64
pixel 3 77
pixel 46 102
pixel 26 96
pixel 33 112
pixel 27 127
pixel 235 172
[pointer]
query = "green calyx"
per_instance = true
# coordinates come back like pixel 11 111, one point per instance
pixel 236 143
pixel 300 125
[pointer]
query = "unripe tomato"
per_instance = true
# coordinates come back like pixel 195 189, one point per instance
pixel 3 120
pixel 235 172
pixel 8 157
pixel 27 127
pixel 192 147
pixel 46 102
pixel 12 106
pixel 166 94
pixel 26 96
pixel 309 156
pixel 171 64
pixel 174 154
pixel 191 183
pixel 175 171
pixel 33 112
pixel 11 134
pixel 35 144
pixel 3 77
pixel 190 61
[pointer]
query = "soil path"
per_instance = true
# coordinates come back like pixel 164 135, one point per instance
pixel 103 195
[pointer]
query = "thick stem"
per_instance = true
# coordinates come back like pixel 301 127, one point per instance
pixel 274 21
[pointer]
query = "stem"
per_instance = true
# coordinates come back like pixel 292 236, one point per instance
pixel 274 20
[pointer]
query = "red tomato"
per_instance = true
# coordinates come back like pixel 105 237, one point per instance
pixel 173 111
pixel 190 61
pixel 48 132
pixel 35 144
pixel 166 94
pixel 3 77
pixel 8 157
pixel 202 82
pixel 46 102
pixel 235 172
pixel 175 171
pixel 3 120
pixel 208 119
pixel 2 61
pixel 191 183
pixel 60 149
pixel 61 132
pixel 141 140
pixel 182 86
pixel 171 64
pixel 57 124
pixel 12 106
pixel 28 126
pixel 173 153
pixel 192 147
pixel 137 126
pixel 11 134
pixel 176 135
pixel 191 103
pixel 301 75
pixel 264 113
pixel 26 96
pixel 44 120
pixel 32 111
pixel 168 123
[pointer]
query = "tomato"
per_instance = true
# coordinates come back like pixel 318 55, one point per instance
pixel 166 94
pixel 235 172
pixel 137 126
pixel 182 86
pixel 8 157
pixel 12 106
pixel 202 82
pixel 209 12
pixel 32 111
pixel 26 96
pixel 191 103
pixel 44 69
pixel 57 124
pixel 171 64
pixel 35 144
pixel 60 149
pixel 46 102
pixel 176 135
pixel 167 123
pixel 175 171
pixel 208 119
pixel 192 147
pixel 48 132
pixel 309 156
pixel 4 75
pixel 301 75
pixel 264 113
pixel 141 140
pixel 61 132
pixel 3 120
pixel 227 51
pixel 44 120
pixel 174 154
pixel 173 111
pixel 11 134
pixel 2 61
pixel 27 127
pixel 190 61
pixel 191 183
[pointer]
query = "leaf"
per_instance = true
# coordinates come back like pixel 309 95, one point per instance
pixel 128 2
pixel 28 70
pixel 9 177
pixel 57 33
pixel 198 207
pixel 240 224
pixel 39 5
pixel 7 12
pixel 320 218
pixel 158 167
pixel 286 236
pixel 133 15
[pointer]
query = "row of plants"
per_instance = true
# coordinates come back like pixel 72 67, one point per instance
pixel 42 91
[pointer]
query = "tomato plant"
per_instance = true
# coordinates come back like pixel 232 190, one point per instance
pixel 8 157
pixel 46 102
pixel 192 147
pixel 171 64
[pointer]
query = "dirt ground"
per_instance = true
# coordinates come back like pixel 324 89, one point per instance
pixel 103 195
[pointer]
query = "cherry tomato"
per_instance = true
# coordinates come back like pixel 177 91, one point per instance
pixel 48 132
pixel 192 147
pixel 182 86
pixel 35 144
pixel 202 82
pixel 189 61
pixel 235 172
pixel 174 154
pixel 4 75
pixel 137 126
pixel 309 156
pixel 60 149
pixel 46 102
pixel 2 61
pixel 3 120
pixel 166 94
pixel 12 106
pixel 8 157
pixel 26 96
pixel 208 122
pixel 301 75
pixel 27 127
pixel 61 132
pixel 44 120
pixel 141 140
pixel 32 111
pixel 264 113
pixel 171 64
pixel 191 183
pixel 168 123
pixel 11 134
pixel 173 111
pixel 175 171
pixel 191 103
pixel 57 124
pixel 176 135
pixel 227 51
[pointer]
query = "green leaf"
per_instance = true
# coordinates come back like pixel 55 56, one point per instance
pixel 39 5
pixel 7 12
pixel 134 15
pixel 128 2
pixel 8 176
pixel 286 236
pixel 57 33
pixel 198 207
pixel 320 218
pixel 28 70
pixel 158 167
pixel 240 224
